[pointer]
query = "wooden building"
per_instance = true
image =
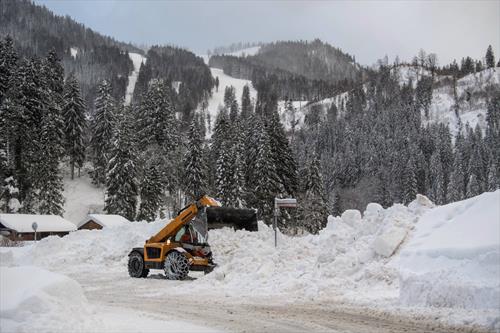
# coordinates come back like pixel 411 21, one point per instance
pixel 18 227
pixel 99 221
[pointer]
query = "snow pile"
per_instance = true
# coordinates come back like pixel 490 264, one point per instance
pixel 33 299
pixel 86 250
pixel 349 254
pixel 453 259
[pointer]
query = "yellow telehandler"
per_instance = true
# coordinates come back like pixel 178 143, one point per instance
pixel 182 245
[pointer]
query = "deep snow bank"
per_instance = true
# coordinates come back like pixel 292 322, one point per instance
pixel 453 259
pixel 34 300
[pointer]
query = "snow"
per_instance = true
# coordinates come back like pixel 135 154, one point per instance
pixel 23 222
pixel 73 51
pixel 82 198
pixel 472 105
pixel 453 259
pixel 36 300
pixel 250 51
pixel 420 260
pixel 137 60
pixel 216 101
pixel 105 220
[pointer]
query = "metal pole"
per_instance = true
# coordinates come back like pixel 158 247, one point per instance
pixel 275 224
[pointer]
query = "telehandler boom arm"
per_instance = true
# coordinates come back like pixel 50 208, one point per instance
pixel 184 217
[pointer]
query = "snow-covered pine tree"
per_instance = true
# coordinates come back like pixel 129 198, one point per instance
pixel 493 183
pixel 49 180
pixel 151 192
pixel 195 177
pixel 316 211
pixel 229 97
pixel 158 124
pixel 436 179
pixel 121 177
pixel 456 186
pixel 238 159
pixel 410 181
pixel 233 112
pixel 265 178
pixel 8 61
pixel 74 123
pixel 490 57
pixel 283 159
pixel 103 124
pixel 246 103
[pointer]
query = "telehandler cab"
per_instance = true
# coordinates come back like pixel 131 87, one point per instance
pixel 182 244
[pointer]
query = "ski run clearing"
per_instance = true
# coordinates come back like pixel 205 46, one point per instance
pixel 414 268
pixel 137 60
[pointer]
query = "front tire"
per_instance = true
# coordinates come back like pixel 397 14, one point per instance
pixel 136 266
pixel 176 266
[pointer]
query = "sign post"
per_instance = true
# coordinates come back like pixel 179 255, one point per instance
pixel 281 203
pixel 34 226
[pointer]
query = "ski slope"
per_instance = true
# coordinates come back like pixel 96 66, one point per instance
pixel 216 101
pixel 137 60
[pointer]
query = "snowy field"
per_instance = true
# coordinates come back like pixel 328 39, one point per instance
pixel 413 268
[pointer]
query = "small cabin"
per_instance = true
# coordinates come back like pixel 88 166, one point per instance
pixel 99 221
pixel 18 227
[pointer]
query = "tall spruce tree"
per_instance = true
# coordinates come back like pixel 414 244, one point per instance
pixel 151 192
pixel 246 103
pixel 103 124
pixel 121 177
pixel 74 123
pixel 266 181
pixel 410 181
pixel 194 164
pixel 490 57
pixel 316 211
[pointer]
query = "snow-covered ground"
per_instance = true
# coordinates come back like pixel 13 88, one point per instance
pixel 33 299
pixel 137 60
pixel 81 198
pixel 216 101
pixel 416 263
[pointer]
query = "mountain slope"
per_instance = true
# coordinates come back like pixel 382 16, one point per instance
pixel 90 55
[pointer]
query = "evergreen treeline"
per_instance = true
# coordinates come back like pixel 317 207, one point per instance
pixel 37 31
pixel 374 148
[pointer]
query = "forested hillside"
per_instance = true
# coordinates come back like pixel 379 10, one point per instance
pixel 184 72
pixel 297 70
pixel 89 55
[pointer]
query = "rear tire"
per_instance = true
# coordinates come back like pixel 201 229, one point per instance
pixel 136 266
pixel 176 266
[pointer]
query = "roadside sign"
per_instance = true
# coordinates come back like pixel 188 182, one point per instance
pixel 34 225
pixel 281 203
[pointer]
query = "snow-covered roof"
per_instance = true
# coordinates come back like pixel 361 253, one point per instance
pixel 46 223
pixel 105 220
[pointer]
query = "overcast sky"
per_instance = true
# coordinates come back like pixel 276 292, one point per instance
pixel 368 30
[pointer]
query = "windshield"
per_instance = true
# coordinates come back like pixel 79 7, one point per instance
pixel 189 234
